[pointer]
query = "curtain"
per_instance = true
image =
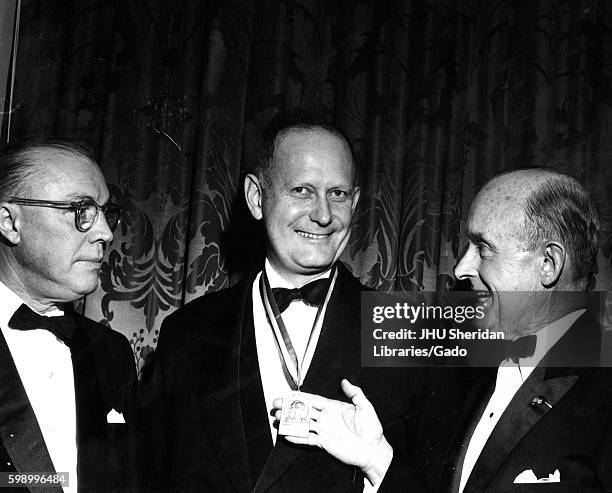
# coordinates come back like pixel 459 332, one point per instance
pixel 434 96
pixel 8 13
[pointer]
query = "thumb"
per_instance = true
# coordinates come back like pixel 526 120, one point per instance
pixel 355 394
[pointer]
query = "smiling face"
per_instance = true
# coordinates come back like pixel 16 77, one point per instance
pixel 497 262
pixel 54 262
pixel 308 206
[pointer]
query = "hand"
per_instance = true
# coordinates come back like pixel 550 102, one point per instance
pixel 352 433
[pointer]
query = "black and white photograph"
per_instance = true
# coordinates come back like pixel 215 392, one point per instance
pixel 305 246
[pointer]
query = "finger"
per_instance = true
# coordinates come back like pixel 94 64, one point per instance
pixel 277 415
pixel 312 440
pixel 277 403
pixel 315 414
pixel 355 394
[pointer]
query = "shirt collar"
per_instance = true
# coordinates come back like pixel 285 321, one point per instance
pixel 11 302
pixel 548 336
pixel 276 281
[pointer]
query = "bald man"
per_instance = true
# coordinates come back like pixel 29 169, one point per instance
pixel 546 415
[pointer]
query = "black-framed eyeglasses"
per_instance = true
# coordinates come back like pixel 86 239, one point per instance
pixel 85 211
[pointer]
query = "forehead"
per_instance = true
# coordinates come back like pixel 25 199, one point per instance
pixel 316 153
pixel 61 175
pixel 497 213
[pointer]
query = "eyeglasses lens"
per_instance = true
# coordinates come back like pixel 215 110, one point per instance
pixel 88 213
pixel 87 216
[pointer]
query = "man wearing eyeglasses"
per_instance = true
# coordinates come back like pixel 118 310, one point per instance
pixel 64 379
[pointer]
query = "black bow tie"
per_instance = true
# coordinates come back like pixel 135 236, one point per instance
pixel 523 347
pixel 27 319
pixel 312 293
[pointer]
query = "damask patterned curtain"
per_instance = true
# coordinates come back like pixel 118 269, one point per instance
pixel 434 96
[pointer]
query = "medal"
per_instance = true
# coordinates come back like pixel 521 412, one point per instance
pixel 296 410
pixel 295 415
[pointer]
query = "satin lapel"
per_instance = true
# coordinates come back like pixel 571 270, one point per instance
pixel 102 376
pixel 19 430
pixel 95 453
pixel 337 356
pixel 550 381
pixel 100 367
pixel 216 377
pixel 252 401
pixel 338 352
pixel 515 423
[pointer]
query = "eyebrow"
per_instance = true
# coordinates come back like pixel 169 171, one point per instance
pixel 79 196
pixel 478 238
pixel 76 197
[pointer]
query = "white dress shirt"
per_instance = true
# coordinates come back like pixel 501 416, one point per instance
pixel 45 368
pixel 298 319
pixel 510 377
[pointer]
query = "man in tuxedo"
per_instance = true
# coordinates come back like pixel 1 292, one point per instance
pixel 546 415
pixel 64 379
pixel 223 358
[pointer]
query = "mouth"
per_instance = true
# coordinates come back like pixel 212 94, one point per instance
pixel 97 261
pixel 312 236
pixel 485 298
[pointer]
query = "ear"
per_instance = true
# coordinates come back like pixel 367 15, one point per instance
pixel 552 263
pixel 10 222
pixel 356 194
pixel 253 195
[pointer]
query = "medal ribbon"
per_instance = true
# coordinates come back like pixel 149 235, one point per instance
pixel 286 350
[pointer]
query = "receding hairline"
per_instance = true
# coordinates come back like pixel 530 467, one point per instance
pixel 314 128
pixel 536 177
pixel 515 188
pixel 42 158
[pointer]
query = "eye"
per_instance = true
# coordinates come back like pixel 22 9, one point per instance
pixel 301 191
pixel 338 195
pixel 483 250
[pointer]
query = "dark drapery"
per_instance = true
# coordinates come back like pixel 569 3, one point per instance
pixel 434 96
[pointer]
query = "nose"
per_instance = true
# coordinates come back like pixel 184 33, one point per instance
pixel 321 213
pixel 467 267
pixel 100 231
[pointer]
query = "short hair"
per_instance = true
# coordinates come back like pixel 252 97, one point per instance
pixel 278 128
pixel 18 162
pixel 560 208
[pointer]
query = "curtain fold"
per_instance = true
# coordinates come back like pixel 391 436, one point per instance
pixel 434 96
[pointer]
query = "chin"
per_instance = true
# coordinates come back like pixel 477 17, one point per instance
pixel 85 288
pixel 312 262
pixel 488 323
pixel 317 268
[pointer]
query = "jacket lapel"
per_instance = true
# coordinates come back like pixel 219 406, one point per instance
pixel 518 419
pixel 551 381
pixel 19 430
pixel 333 360
pixel 252 400
pixel 219 397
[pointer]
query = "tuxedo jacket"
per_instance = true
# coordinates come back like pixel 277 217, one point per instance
pixel 207 418
pixel 570 432
pixel 104 375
